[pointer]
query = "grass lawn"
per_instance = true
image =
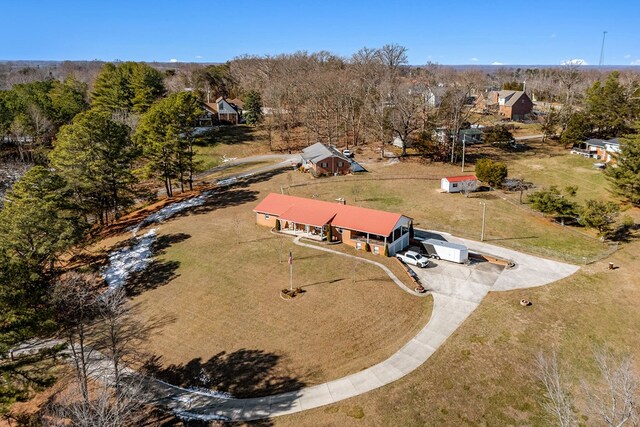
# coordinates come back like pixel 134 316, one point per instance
pixel 229 141
pixel 216 284
pixel 483 374
pixel 507 224
pixel 564 169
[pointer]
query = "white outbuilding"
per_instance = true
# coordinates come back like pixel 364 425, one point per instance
pixel 456 184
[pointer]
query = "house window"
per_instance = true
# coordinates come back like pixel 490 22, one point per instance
pixel 376 250
pixel 358 245
pixel 324 164
pixel 339 164
pixel 455 185
pixel 266 216
pixel 220 106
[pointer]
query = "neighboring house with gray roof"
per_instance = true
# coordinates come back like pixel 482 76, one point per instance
pixel 322 160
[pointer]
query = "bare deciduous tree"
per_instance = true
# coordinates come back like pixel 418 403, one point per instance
pixel 103 338
pixel 615 399
pixel 558 402
pixel 612 399
pixel 75 299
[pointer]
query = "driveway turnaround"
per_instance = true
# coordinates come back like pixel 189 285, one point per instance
pixel 457 291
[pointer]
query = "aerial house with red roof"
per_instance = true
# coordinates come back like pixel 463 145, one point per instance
pixel 457 184
pixel 377 231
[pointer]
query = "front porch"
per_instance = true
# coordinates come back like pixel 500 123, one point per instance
pixel 305 230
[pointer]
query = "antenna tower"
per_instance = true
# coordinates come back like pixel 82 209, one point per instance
pixel 604 34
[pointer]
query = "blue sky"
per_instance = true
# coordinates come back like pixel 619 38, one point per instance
pixel 446 31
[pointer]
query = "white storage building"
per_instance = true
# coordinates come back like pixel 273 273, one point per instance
pixel 456 184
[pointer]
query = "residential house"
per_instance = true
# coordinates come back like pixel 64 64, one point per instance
pixel 322 160
pixel 599 149
pixel 223 111
pixel 457 184
pixel 512 104
pixel 468 136
pixel 366 229
pixel 434 96
pixel 398 142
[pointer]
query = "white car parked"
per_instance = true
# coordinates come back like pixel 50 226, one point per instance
pixel 413 258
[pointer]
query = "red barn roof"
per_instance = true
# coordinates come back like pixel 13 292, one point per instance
pixel 461 178
pixel 318 213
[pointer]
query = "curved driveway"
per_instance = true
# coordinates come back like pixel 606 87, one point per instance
pixel 457 291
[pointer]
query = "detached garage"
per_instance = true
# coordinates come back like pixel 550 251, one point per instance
pixel 456 184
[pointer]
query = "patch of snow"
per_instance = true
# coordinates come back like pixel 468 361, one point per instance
pixel 226 159
pixel 197 391
pixel 225 182
pixel 169 211
pixel 212 393
pixel 127 260
pixel 194 416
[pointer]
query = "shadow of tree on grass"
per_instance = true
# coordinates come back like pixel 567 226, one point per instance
pixel 159 272
pixel 243 373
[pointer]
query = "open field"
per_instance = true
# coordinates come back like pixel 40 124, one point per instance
pixel 216 284
pixel 483 374
pixel 550 163
pixel 229 141
pixel 405 187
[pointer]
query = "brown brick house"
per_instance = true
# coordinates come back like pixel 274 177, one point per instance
pixel 322 160
pixel 382 233
pixel 512 104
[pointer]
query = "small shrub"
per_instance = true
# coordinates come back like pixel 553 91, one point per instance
pixel 356 412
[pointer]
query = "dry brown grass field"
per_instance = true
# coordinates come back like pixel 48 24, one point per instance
pixel 485 375
pixel 217 283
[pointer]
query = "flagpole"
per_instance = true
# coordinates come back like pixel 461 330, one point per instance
pixel 290 271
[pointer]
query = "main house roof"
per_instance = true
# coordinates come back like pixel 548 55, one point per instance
pixel 318 213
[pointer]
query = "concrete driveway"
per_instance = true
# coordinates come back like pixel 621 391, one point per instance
pixel 529 271
pixel 457 291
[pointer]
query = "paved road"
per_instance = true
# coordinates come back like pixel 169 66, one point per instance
pixel 526 137
pixel 457 291
pixel 279 161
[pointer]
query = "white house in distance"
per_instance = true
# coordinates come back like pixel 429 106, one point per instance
pixel 456 184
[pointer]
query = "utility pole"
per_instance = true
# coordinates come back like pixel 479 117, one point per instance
pixel 484 212
pixel 290 271
pixel 604 34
